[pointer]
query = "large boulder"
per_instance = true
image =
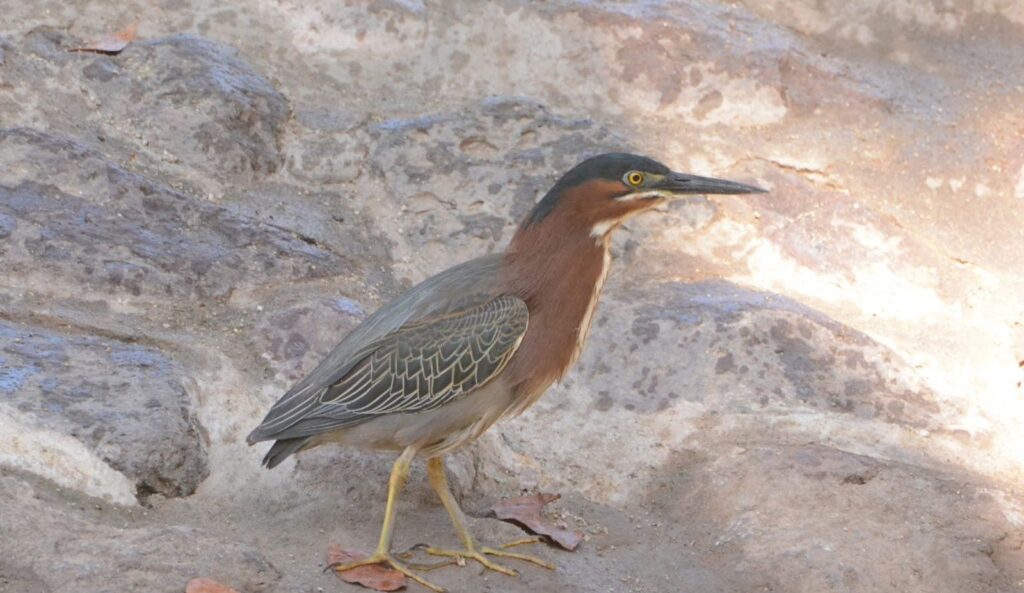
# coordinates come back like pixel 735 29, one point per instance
pixel 675 366
pixel 809 518
pixel 79 402
pixel 75 216
pixel 180 103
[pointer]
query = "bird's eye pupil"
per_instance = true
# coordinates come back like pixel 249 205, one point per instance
pixel 635 178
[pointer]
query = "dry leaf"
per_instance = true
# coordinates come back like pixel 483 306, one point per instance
pixel 525 511
pixel 371 576
pixel 113 43
pixel 207 586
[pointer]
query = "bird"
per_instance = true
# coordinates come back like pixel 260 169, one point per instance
pixel 438 365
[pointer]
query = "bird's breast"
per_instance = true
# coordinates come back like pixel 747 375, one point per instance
pixel 561 311
pixel 588 315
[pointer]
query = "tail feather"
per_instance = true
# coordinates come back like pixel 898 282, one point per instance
pixel 282 449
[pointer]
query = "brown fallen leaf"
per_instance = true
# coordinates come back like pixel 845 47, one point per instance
pixel 526 512
pixel 207 586
pixel 371 576
pixel 111 44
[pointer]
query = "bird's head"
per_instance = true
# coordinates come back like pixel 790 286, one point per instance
pixel 598 194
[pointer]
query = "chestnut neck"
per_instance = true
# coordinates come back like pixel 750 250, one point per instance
pixel 557 268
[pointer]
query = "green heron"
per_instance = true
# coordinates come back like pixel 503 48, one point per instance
pixel 434 368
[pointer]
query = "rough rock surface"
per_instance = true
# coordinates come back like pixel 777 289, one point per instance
pixel 178 102
pixel 294 339
pixel 118 233
pixel 79 543
pixel 109 396
pixel 816 389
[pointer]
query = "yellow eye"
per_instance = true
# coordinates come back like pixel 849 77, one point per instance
pixel 634 178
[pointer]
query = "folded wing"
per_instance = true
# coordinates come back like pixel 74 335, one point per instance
pixel 420 366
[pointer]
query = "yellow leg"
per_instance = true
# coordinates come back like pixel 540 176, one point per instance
pixel 439 482
pixel 399 475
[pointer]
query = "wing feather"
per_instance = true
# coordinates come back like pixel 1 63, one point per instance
pixel 419 367
pixel 456 289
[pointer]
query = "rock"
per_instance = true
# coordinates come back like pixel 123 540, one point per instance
pixel 334 151
pixel 18 578
pixel 126 403
pixel 814 389
pixel 808 518
pixel 118 233
pixel 294 339
pixel 672 363
pixel 94 556
pixel 202 585
pixel 67 543
pixel 676 62
pixel 334 220
pixel 195 99
pixel 180 102
pixel 748 350
pixel 461 181
pixel 7 226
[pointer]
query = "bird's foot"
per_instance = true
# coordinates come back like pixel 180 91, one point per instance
pixel 480 553
pixel 386 559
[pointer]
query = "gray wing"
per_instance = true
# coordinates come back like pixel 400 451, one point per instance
pixel 421 366
pixel 458 288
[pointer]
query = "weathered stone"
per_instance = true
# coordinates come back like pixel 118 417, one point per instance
pixel 181 102
pixel 841 415
pixel 66 542
pixel 194 99
pixel 119 233
pixel 294 339
pixel 810 518
pixel 462 181
pixel 742 350
pixel 333 151
pixel 673 362
pixel 126 402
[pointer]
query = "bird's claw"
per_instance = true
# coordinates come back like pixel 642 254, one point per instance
pixel 459 557
pixel 480 555
pixel 516 556
pixel 533 539
pixel 408 554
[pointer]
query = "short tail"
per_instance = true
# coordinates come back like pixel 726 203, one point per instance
pixel 282 449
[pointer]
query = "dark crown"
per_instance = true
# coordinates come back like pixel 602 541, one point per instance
pixel 610 165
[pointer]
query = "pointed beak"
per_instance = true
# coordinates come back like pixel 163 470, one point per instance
pixel 682 183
